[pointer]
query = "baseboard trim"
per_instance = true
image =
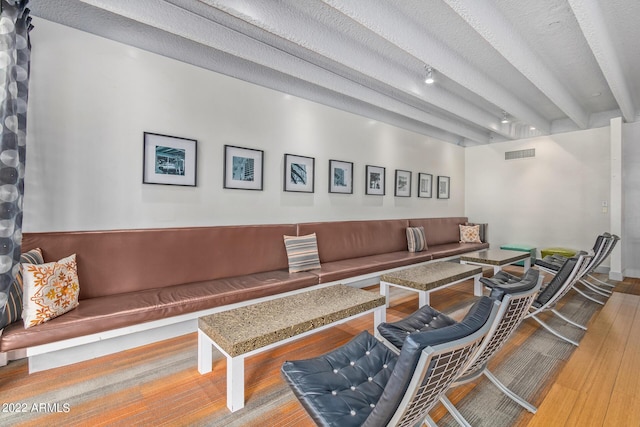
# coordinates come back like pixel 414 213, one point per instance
pixel 616 275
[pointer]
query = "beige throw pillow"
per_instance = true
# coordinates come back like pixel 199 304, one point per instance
pixel 470 234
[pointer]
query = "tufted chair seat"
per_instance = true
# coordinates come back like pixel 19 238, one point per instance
pixel 422 320
pixel 551 262
pixel 499 279
pixel 363 383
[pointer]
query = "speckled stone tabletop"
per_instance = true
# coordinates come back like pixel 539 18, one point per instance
pixel 430 276
pixel 244 329
pixel 495 256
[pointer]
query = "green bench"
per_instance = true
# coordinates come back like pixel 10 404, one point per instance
pixel 521 248
pixel 567 253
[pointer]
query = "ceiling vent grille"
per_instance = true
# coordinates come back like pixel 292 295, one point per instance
pixel 520 154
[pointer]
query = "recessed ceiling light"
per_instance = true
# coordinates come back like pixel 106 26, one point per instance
pixel 595 94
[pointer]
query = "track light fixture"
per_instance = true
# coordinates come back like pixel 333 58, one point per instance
pixel 429 77
pixel 505 119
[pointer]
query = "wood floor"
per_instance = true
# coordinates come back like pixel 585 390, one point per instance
pixel 599 385
pixel 596 387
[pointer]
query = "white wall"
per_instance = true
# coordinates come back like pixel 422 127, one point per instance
pixel 631 199
pixel 553 199
pixel 91 99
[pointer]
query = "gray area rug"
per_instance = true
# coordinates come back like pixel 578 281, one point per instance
pixel 526 371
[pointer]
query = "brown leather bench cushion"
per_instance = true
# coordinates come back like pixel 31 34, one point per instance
pixel 348 268
pixel 95 315
pixel 122 261
pixel 443 236
pixel 344 240
pixel 439 231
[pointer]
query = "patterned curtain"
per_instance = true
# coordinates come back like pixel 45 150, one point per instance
pixel 15 50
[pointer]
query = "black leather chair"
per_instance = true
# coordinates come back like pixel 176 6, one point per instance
pixel 364 383
pixel 602 248
pixel 612 244
pixel 516 298
pixel 549 295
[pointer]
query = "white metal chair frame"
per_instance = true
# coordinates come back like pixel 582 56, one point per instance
pixel 447 361
pixel 513 309
pixel 577 271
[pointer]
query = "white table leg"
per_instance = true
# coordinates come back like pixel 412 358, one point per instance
pixel 496 269
pixel 235 383
pixel 205 353
pixel 477 285
pixel 379 316
pixel 423 298
pixel 384 291
pixel 527 264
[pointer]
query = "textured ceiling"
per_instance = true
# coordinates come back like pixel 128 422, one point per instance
pixel 552 65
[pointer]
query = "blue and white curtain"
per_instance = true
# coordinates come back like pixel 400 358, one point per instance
pixel 15 50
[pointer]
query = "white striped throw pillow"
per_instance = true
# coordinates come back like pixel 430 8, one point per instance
pixel 416 241
pixel 302 252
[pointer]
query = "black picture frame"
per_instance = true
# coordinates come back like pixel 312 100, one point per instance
pixel 299 173
pixel 375 180
pixel 243 168
pixel 340 177
pixel 402 183
pixel 444 187
pixel 425 185
pixel 169 160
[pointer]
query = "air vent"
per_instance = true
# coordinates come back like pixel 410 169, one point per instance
pixel 520 154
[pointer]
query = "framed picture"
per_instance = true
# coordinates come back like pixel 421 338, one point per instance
pixel 425 183
pixel 375 180
pixel 340 177
pixel 243 168
pixel 403 183
pixel 443 187
pixel 298 173
pixel 169 160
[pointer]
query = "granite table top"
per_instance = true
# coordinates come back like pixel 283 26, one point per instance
pixel 430 276
pixel 244 329
pixel 495 256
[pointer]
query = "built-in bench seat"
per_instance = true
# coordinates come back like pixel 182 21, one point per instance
pixel 105 313
pixel 139 286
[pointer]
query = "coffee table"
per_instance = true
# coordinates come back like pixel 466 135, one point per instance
pixel 248 330
pixel 496 258
pixel 427 278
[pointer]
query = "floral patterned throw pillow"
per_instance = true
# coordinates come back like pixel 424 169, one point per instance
pixel 50 290
pixel 470 234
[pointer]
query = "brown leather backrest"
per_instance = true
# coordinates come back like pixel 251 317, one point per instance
pixel 113 262
pixel 339 240
pixel 440 231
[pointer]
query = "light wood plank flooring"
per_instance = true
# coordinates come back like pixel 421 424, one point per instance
pixel 597 386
